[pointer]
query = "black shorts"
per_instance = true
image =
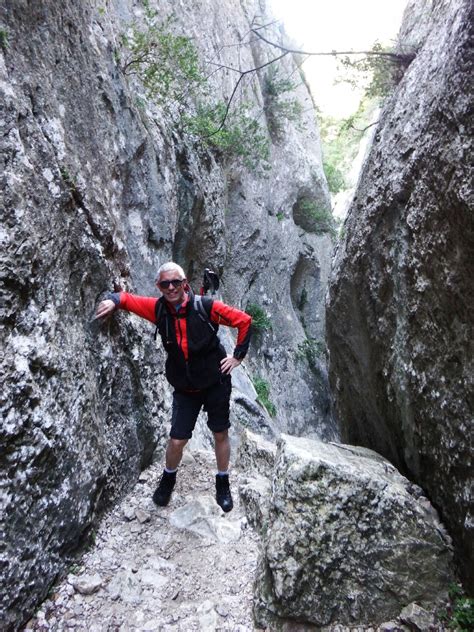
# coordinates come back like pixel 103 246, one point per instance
pixel 186 407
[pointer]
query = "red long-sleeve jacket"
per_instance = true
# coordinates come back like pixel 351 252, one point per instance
pixel 221 314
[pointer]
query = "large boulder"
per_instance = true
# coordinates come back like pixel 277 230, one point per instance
pixel 400 311
pixel 347 540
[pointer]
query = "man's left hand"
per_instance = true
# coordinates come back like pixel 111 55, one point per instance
pixel 229 363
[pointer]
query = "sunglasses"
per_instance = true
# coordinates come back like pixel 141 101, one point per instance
pixel 164 285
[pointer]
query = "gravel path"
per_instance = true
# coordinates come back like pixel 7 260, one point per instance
pixel 185 567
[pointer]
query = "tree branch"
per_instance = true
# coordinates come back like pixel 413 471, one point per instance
pixel 396 57
pixel 243 73
pixel 363 129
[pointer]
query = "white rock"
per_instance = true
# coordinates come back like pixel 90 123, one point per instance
pixel 142 516
pixel 128 513
pixel 152 578
pixel 87 584
pixel 203 517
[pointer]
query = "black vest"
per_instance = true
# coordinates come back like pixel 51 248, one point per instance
pixel 205 350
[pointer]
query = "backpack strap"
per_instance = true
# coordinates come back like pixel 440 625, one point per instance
pixel 159 307
pixel 203 306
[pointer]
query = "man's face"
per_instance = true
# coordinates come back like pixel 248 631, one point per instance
pixel 174 295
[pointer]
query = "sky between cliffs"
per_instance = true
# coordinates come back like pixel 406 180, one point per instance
pixel 325 25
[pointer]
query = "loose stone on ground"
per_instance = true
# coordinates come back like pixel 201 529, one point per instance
pixel 184 567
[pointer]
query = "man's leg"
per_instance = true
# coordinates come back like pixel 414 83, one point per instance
pixel 185 412
pixel 222 450
pixel 174 453
pixel 217 407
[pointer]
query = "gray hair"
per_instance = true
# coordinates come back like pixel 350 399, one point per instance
pixel 168 267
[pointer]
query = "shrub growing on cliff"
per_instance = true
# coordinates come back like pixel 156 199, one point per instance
pixel 279 106
pixel 242 135
pixel 260 321
pixel 311 350
pixel 3 39
pixel 166 63
pixel 459 615
pixel 321 219
pixel 263 395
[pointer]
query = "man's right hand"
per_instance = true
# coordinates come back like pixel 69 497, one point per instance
pixel 105 308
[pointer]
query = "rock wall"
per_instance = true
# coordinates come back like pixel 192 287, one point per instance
pixel 399 316
pixel 98 189
pixel 346 540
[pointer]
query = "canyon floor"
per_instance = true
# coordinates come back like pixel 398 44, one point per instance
pixel 184 567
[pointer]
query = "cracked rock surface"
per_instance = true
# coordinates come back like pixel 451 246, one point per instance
pixel 399 318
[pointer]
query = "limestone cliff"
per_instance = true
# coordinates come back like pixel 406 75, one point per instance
pixel 99 186
pixel 399 319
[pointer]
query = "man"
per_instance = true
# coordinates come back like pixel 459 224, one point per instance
pixel 197 367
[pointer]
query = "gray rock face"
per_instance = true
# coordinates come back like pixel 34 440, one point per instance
pixel 257 460
pixel 97 190
pixel 399 317
pixel 347 541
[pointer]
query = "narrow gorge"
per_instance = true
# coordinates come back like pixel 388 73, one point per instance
pixel 136 132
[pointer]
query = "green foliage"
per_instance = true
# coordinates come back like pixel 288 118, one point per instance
pixel 340 143
pixel 241 136
pixel 279 106
pixel 260 321
pixel 321 219
pixel 312 350
pixel 280 216
pixel 263 395
pixel 3 39
pixel 378 73
pixel 166 64
pixel 275 85
pixel 459 615
pixel 334 176
pixel 75 569
pixel 68 179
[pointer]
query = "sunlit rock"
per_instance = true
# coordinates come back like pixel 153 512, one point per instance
pixel 348 540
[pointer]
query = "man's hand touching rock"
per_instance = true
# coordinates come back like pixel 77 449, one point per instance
pixel 105 308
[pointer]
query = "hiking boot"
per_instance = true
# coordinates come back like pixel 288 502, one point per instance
pixel 223 495
pixel 162 494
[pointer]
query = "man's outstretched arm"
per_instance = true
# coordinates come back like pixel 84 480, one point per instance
pixel 143 306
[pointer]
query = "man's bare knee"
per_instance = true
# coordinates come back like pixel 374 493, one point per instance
pixel 221 437
pixel 174 452
pixel 177 444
